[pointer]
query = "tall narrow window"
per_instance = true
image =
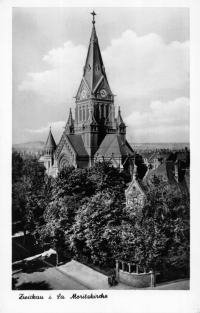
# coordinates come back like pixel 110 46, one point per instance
pixel 83 113
pixel 107 111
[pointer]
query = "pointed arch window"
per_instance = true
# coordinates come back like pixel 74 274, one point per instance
pixel 88 67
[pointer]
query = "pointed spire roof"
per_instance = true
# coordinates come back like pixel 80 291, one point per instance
pixel 119 118
pixel 70 119
pixel 70 123
pixel 94 69
pixel 50 143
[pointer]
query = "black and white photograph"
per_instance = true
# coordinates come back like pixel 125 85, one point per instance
pixel 100 153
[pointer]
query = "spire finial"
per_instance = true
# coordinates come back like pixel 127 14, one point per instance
pixel 93 13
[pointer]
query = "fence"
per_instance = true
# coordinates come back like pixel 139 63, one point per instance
pixel 128 273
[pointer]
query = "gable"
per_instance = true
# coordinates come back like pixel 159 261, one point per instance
pixel 65 147
pixel 83 86
pixel 134 186
pixel 135 195
pixel 103 84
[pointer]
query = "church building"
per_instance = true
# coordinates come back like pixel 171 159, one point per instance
pixel 92 133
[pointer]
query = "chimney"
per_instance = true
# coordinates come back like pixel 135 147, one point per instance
pixel 176 170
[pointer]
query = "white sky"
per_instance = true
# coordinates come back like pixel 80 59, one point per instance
pixel 145 53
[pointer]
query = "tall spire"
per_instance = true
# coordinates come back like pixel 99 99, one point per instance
pixel 94 69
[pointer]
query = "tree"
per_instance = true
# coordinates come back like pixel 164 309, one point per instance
pixel 28 192
pixel 94 233
pixel 158 235
pixel 76 191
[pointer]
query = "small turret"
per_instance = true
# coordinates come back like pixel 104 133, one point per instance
pixel 121 127
pixel 49 149
pixel 50 145
pixel 69 128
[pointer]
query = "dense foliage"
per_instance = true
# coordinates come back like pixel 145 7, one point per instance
pixel 74 189
pixel 157 236
pixel 30 192
pixel 83 211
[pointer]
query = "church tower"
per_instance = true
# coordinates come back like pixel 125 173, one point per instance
pixel 94 112
pixel 94 134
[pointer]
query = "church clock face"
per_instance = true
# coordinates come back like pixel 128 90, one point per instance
pixel 83 94
pixel 103 93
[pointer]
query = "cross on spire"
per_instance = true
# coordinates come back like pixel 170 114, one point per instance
pixel 93 13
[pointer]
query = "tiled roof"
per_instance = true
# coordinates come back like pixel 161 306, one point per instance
pixel 77 143
pixel 166 170
pixel 129 146
pixel 112 144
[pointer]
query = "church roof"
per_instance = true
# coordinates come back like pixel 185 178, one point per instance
pixel 130 148
pixel 165 170
pixel 94 70
pixel 50 143
pixel 112 144
pixel 77 143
